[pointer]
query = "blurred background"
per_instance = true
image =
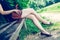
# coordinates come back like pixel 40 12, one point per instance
pixel 40 6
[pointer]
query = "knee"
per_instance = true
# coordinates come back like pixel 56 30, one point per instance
pixel 31 16
pixel 31 9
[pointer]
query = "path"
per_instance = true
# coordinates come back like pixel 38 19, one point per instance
pixel 53 16
pixel 55 33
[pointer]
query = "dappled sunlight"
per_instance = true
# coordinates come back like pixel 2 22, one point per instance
pixel 54 17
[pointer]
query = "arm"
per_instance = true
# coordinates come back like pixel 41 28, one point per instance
pixel 7 12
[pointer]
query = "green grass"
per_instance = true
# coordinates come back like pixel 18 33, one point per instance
pixel 32 29
pixel 52 8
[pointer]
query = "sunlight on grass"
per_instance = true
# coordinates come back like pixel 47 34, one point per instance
pixel 52 8
pixel 56 26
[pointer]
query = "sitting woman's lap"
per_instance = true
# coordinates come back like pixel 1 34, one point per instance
pixel 26 12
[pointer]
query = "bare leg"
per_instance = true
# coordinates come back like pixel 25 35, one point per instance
pixel 28 14
pixel 39 17
pixel 36 22
pixel 28 11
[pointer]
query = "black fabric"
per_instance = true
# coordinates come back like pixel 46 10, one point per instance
pixel 6 6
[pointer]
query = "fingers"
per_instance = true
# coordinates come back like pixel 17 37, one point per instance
pixel 17 11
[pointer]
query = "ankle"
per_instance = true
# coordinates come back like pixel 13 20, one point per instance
pixel 46 32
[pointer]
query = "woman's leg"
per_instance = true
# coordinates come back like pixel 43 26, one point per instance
pixel 29 11
pixel 36 22
pixel 39 17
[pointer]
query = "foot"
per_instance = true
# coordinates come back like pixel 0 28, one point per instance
pixel 50 23
pixel 47 35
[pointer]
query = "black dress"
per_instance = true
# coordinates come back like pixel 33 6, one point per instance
pixel 6 6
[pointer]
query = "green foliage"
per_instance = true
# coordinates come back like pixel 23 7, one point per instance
pixel 55 7
pixel 22 3
pixel 36 4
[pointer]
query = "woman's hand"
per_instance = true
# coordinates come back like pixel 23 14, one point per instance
pixel 3 12
pixel 17 11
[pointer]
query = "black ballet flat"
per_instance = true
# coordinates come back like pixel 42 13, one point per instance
pixel 48 24
pixel 47 35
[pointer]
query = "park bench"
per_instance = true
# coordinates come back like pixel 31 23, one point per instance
pixel 10 30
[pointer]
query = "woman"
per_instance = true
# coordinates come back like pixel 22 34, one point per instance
pixel 28 13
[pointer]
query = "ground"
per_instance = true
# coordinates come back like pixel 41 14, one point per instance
pixel 56 36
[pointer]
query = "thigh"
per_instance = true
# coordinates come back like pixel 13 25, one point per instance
pixel 26 12
pixel 31 16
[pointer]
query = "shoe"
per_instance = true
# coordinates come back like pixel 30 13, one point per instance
pixel 47 35
pixel 48 24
